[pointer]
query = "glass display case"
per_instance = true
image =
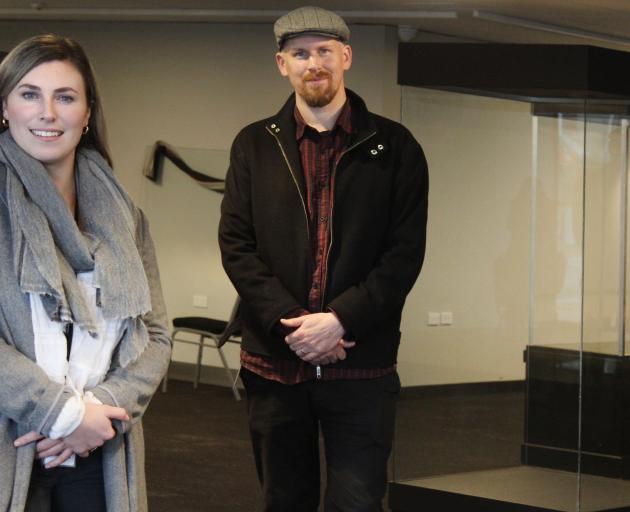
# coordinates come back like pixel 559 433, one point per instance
pixel 522 403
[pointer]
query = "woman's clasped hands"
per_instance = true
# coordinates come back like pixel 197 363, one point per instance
pixel 93 431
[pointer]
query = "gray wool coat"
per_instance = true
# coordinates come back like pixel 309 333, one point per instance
pixel 29 400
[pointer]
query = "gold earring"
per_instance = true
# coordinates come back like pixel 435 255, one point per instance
pixel 5 122
pixel 86 129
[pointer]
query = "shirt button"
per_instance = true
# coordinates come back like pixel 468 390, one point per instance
pixel 323 219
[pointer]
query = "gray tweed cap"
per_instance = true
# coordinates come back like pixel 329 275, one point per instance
pixel 310 20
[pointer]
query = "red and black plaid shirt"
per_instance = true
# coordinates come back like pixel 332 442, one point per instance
pixel 320 152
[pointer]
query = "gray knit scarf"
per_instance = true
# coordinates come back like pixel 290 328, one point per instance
pixel 49 248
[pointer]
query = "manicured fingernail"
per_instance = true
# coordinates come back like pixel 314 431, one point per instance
pixel 16 443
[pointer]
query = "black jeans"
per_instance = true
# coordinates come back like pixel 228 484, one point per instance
pixel 78 489
pixel 356 418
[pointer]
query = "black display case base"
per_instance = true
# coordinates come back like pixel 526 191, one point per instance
pixel 514 489
pixel 575 395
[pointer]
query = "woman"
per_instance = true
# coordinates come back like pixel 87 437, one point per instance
pixel 83 338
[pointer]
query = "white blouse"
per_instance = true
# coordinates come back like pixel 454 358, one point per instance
pixel 89 361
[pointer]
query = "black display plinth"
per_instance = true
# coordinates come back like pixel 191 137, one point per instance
pixel 515 489
pixel 553 411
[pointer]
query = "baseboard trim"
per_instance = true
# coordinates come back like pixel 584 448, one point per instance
pixel 214 375
pixel 502 386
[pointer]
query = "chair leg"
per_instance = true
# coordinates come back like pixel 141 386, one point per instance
pixel 237 395
pixel 235 391
pixel 199 358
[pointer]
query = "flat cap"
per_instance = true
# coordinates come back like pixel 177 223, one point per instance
pixel 310 20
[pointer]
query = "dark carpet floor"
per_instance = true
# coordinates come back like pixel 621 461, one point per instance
pixel 199 458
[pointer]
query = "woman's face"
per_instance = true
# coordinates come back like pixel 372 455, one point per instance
pixel 47 111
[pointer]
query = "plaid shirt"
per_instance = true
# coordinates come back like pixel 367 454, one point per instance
pixel 319 152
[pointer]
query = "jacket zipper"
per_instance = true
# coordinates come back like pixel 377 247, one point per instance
pixel 292 172
pixel 318 370
pixel 332 207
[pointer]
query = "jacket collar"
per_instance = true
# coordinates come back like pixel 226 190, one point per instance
pixel 283 127
pixel 283 123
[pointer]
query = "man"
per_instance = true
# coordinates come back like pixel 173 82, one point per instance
pixel 323 235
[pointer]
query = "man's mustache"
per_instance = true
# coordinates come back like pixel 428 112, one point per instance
pixel 317 75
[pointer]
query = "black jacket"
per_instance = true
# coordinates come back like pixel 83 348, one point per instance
pixel 378 230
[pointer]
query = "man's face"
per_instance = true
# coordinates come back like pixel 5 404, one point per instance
pixel 315 66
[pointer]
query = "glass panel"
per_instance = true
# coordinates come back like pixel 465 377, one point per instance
pixel 605 477
pixel 556 241
pixel 553 357
pixel 490 406
pixel 604 231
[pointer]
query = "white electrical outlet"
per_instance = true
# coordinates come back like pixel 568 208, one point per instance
pixel 200 301
pixel 446 318
pixel 433 319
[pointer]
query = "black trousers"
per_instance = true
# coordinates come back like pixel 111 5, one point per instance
pixel 356 418
pixel 78 489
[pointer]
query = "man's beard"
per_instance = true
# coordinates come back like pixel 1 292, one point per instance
pixel 319 97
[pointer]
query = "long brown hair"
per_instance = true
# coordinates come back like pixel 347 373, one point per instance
pixel 37 50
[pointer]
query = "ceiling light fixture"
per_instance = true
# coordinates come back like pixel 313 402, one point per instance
pixel 546 27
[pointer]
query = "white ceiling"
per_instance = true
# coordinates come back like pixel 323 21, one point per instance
pixel 596 22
